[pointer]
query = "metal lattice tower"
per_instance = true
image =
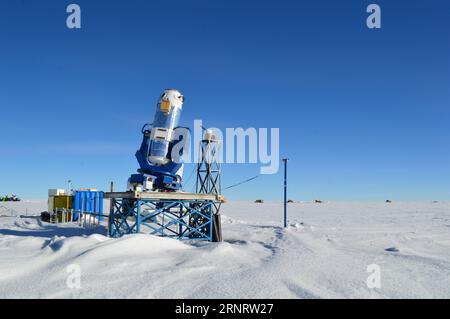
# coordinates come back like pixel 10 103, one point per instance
pixel 208 176
pixel 209 166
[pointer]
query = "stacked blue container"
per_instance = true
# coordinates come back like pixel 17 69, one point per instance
pixel 87 201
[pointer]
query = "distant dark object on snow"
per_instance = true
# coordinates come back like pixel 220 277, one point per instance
pixel 392 250
pixel 388 201
pixel 290 201
pixel 259 201
pixel 435 201
pixel 12 198
pixel 318 201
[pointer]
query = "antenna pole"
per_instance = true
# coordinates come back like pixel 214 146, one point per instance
pixel 285 160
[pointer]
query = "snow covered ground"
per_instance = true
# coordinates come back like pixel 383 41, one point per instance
pixel 324 253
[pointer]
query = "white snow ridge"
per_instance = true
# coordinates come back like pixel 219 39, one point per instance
pixel 326 252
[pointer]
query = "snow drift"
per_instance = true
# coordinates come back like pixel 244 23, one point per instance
pixel 324 253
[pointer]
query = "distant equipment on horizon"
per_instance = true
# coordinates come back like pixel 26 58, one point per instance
pixel 12 198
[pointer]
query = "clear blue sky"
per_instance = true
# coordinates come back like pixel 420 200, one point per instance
pixel 363 114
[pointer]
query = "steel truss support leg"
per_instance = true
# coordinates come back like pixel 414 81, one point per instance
pixel 182 219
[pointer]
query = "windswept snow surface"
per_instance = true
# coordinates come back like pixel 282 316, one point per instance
pixel 324 253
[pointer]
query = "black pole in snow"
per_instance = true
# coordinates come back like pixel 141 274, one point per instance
pixel 285 160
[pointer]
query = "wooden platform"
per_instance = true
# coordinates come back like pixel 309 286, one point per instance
pixel 165 196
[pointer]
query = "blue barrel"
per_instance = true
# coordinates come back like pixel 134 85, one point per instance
pixel 88 202
pixel 77 205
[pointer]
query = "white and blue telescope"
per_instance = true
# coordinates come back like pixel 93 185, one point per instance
pixel 160 170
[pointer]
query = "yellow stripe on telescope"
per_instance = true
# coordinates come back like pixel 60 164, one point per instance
pixel 165 106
